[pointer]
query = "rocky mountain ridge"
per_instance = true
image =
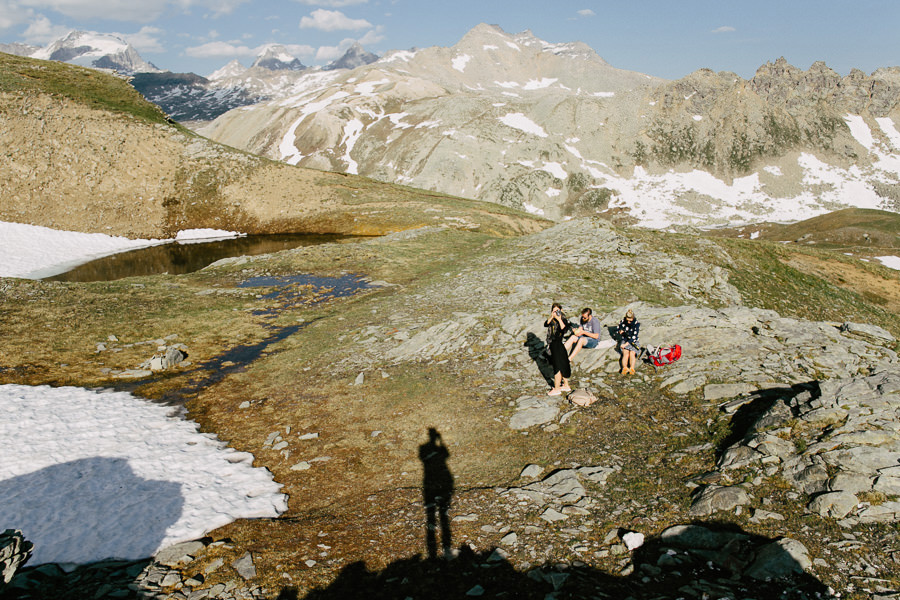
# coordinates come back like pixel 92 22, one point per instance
pixel 96 50
pixel 554 129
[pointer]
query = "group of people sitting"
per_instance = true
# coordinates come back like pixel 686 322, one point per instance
pixel 585 335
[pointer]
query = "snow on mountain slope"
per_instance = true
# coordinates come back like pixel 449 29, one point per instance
pixel 555 130
pixel 96 50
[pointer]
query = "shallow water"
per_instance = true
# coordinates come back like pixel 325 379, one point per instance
pixel 177 258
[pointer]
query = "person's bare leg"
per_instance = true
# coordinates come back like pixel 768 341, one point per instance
pixel 578 346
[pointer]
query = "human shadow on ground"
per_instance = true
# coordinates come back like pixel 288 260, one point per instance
pixel 757 413
pixel 86 511
pixel 538 352
pixel 699 560
pixel 437 492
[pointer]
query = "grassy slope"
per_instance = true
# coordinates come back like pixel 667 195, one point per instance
pixel 92 88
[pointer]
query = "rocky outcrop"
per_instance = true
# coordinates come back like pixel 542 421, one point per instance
pixel 836 442
pixel 14 553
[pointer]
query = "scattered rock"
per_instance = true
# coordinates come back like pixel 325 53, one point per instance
pixel 244 566
pixel 714 499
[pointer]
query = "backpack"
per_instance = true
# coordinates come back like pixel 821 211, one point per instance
pixel 664 355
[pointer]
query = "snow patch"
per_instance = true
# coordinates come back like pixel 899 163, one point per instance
pixel 887 126
pixel 33 252
pixel 891 262
pixel 352 130
pixel 555 169
pixel 118 476
pixel 603 94
pixel 553 192
pixel 776 171
pixel 533 209
pixel 522 123
pixel 860 131
pixel 697 117
pixel 539 84
pixel 459 62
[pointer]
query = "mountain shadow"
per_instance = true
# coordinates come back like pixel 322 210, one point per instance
pixel 700 560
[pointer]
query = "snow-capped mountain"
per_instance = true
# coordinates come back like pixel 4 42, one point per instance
pixel 555 130
pixel 274 73
pixel 96 50
pixel 275 57
pixel 19 49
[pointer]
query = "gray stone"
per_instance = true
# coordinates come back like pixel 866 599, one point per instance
pixel 738 457
pixel 698 537
pixel 834 504
pixel 179 554
pixel 596 474
pixel 887 485
pixel 15 551
pixel 812 480
pixel 714 499
pixel 301 466
pixel 867 331
pixel 244 566
pixel 688 385
pixel 719 391
pixel 551 515
pixel 360 379
pixel 779 559
pixel 852 483
pixel 531 471
pixel 510 539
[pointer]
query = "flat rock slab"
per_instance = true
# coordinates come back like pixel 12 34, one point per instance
pixel 720 391
pixel 715 499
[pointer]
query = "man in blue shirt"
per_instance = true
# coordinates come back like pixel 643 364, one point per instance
pixel 585 336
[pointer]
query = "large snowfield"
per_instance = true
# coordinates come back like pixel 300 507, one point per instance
pixel 89 475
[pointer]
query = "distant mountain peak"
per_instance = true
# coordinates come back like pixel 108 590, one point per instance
pixel 98 51
pixel 232 69
pixel 275 57
pixel 355 56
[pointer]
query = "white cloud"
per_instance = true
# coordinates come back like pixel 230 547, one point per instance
pixel 12 13
pixel 372 37
pixel 586 12
pixel 235 49
pixel 219 50
pixel 125 10
pixel 145 40
pixel 41 31
pixel 332 20
pixel 332 3
pixel 724 29
pixel 330 53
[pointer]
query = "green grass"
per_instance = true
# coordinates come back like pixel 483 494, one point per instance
pixel 92 88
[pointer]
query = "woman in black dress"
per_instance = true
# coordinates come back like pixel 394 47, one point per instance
pixel 556 326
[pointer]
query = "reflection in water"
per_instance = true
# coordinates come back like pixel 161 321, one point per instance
pixel 177 259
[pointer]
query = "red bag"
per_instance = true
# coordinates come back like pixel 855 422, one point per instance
pixel 665 355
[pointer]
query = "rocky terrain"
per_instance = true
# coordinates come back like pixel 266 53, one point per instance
pixel 759 465
pixel 555 130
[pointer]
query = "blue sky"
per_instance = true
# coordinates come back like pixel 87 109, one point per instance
pixel 668 38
